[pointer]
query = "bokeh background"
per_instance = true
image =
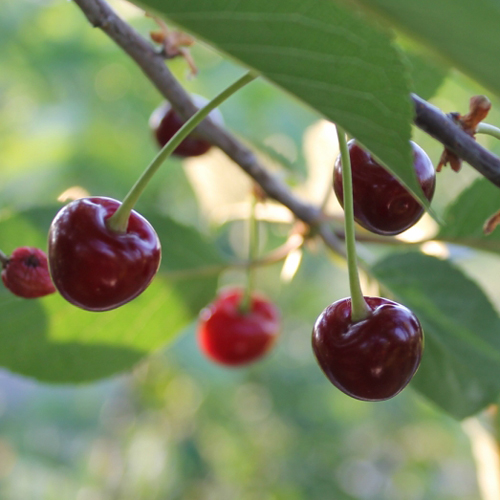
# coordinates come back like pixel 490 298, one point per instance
pixel 74 115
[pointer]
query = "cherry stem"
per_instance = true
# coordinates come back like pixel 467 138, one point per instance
pixel 4 259
pixel 118 222
pixel 359 308
pixel 253 246
pixel 486 128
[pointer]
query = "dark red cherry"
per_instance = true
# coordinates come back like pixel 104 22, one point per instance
pixel 165 122
pixel 373 359
pixel 26 273
pixel 94 267
pixel 231 337
pixel 381 204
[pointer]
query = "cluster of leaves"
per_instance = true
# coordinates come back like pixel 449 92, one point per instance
pixel 350 71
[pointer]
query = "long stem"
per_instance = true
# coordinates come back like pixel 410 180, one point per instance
pixel 486 128
pixel 359 308
pixel 119 220
pixel 253 245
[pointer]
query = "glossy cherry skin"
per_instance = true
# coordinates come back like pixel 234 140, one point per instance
pixel 373 359
pixel 381 204
pixel 26 273
pixel 232 338
pixel 95 268
pixel 165 122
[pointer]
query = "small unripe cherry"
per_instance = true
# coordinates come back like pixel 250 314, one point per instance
pixel 26 273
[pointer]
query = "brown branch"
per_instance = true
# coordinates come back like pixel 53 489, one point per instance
pixel 435 123
pixel 151 61
pixel 100 15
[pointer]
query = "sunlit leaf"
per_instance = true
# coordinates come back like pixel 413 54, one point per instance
pixel 460 369
pixel 464 32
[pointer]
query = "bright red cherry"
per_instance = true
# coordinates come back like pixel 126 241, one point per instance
pixel 231 337
pixel 372 359
pixel 94 267
pixel 165 122
pixel 381 204
pixel 26 273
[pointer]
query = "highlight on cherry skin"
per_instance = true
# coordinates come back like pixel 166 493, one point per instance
pixel 94 267
pixel 26 273
pixel 381 203
pixel 165 122
pixel 373 359
pixel 231 337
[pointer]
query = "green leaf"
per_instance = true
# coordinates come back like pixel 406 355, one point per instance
pixel 460 369
pixel 447 381
pixel 51 340
pixel 324 55
pixel 426 74
pixel 464 32
pixel 465 217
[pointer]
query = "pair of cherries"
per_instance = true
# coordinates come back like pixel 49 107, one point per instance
pixel 98 269
pixel 375 358
pixel 91 266
pixel 372 359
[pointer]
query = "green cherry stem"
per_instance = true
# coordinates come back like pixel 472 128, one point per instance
pixel 486 128
pixel 253 246
pixel 119 220
pixel 359 308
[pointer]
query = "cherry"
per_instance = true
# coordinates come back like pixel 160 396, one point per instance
pixel 372 359
pixel 26 273
pixel 165 122
pixel 381 204
pixel 232 337
pixel 94 267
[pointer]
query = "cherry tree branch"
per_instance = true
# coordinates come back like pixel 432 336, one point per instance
pixel 435 123
pixel 151 61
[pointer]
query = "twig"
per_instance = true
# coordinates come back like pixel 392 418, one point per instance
pixel 435 123
pixel 427 117
pixel 100 15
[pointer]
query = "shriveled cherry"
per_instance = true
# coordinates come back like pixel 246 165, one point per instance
pixel 165 122
pixel 26 273
pixel 372 359
pixel 381 203
pixel 232 337
pixel 94 267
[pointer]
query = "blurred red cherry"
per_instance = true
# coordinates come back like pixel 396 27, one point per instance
pixel 232 337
